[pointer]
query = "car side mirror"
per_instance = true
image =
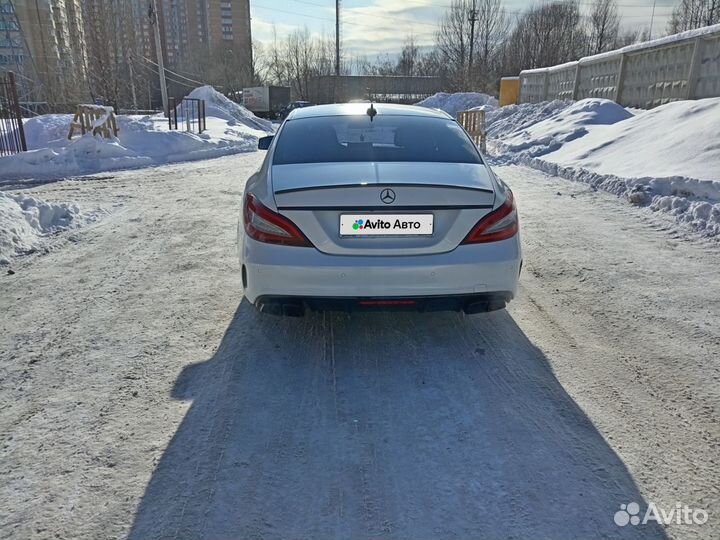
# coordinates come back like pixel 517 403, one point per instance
pixel 264 142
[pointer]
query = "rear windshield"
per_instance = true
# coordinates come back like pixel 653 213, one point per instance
pixel 332 139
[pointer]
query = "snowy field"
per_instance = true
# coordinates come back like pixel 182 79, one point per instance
pixel 142 398
pixel 667 158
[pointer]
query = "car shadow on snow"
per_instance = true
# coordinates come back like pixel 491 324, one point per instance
pixel 386 426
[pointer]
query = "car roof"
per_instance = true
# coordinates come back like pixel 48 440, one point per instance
pixel 356 109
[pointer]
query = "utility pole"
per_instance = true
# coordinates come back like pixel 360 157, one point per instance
pixel 472 18
pixel 155 21
pixel 336 79
pixel 337 38
pixel 652 20
pixel 132 82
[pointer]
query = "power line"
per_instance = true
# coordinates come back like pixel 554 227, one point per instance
pixel 168 70
pixel 171 79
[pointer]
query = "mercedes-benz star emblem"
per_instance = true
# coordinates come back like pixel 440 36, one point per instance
pixel 387 196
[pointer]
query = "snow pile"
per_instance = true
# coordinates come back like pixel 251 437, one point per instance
pixel 142 141
pixel 25 222
pixel 41 130
pixel 460 101
pixel 561 126
pixel 666 158
pixel 219 106
pixel 504 121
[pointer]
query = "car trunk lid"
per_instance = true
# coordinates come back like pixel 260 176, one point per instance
pixel 315 196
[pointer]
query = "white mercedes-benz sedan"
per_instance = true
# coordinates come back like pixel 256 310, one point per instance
pixel 360 206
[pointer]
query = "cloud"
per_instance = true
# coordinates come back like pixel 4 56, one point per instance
pixel 380 27
pixel 383 28
pixel 262 30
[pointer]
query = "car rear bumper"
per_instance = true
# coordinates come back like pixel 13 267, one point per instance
pixel 272 271
pixel 469 303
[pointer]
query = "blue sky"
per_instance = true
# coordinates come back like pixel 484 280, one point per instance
pixel 372 27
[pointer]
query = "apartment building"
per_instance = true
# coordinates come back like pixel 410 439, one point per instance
pixel 197 28
pixel 43 41
pixel 68 51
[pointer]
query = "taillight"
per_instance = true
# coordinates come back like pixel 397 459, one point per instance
pixel 264 225
pixel 500 224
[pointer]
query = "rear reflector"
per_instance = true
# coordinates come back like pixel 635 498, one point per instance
pixel 387 302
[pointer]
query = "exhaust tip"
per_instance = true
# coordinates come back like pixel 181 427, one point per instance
pixel 291 309
pixel 484 306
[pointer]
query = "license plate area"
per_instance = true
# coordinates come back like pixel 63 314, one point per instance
pixel 386 224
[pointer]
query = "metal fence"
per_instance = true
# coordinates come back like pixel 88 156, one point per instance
pixel 12 134
pixel 189 115
pixel 393 89
pixel 645 75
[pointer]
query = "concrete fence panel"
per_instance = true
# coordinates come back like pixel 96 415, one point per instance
pixel 644 75
pixel 598 79
pixel 708 79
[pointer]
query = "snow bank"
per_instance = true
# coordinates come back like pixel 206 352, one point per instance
pixel 40 131
pixel 219 106
pixel 460 101
pixel 504 121
pixel 562 125
pixel 26 222
pixel 142 141
pixel 667 158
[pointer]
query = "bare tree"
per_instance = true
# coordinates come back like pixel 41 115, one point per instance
pixel 453 43
pixel 408 62
pixel 430 65
pixel 690 14
pixel 604 24
pixel 545 35
pixel 630 36
pixel 304 57
pixel 490 30
pixel 488 33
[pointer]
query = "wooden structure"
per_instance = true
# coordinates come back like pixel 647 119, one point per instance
pixel 94 119
pixel 474 123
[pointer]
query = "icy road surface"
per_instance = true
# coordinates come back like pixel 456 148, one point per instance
pixel 140 398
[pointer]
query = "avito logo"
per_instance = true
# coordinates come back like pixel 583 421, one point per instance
pixel 398 224
pixel 386 224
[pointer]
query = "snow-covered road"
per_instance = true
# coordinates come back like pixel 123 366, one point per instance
pixel 139 397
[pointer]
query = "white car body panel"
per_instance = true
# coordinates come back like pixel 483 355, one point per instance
pixel 314 195
pixel 302 272
pixel 286 178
